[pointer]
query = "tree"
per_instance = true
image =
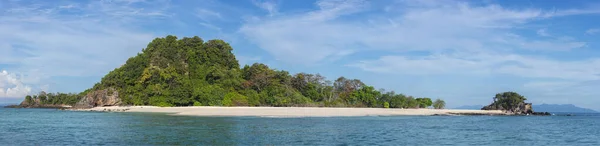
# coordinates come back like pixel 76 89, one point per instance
pixel 235 99
pixel 439 104
pixel 411 102
pixel 508 100
pixel 424 102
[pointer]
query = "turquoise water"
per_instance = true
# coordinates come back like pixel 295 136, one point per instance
pixel 55 127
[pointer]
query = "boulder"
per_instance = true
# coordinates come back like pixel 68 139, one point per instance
pixel 99 98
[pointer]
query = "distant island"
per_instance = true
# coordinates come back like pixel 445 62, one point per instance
pixel 193 72
pixel 562 108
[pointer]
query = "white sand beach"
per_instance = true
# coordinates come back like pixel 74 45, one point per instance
pixel 289 111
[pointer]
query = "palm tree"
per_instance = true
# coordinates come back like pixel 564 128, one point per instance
pixel 439 104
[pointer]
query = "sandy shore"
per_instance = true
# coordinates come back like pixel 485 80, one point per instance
pixel 289 111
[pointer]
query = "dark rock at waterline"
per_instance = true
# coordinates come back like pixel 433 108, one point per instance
pixel 541 113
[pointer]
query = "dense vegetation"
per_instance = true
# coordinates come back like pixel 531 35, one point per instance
pixel 508 100
pixel 192 72
pixel 54 98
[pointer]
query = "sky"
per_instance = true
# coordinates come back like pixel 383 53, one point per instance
pixel 461 51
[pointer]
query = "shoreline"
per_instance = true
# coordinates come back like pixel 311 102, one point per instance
pixel 214 111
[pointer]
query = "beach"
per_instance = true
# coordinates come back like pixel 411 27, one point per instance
pixel 291 111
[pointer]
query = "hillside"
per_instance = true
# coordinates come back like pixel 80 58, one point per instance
pixel 191 71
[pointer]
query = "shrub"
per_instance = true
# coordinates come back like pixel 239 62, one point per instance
pixel 386 105
pixel 235 99
pixel 196 103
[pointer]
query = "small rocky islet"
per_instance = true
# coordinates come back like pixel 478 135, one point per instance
pixel 512 102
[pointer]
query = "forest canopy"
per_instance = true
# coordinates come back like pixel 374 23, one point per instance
pixel 194 72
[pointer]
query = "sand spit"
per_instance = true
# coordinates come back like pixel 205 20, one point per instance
pixel 291 111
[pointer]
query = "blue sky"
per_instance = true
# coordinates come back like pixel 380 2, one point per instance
pixel 460 51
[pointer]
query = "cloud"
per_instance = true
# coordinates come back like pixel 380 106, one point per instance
pixel 208 15
pixel 45 40
pixel 432 26
pixel 11 86
pixel 210 26
pixel 484 64
pixel 542 32
pixel 569 12
pixel 293 40
pixel 592 31
pixel 269 6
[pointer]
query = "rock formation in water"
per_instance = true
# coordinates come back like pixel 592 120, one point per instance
pixel 512 102
pixel 520 108
pixel 105 97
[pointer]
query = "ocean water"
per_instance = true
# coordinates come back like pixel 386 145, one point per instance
pixel 56 127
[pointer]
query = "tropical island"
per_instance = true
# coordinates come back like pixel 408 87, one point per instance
pixel 192 75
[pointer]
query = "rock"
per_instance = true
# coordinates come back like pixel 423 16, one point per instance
pixel 520 109
pixel 541 113
pixel 99 98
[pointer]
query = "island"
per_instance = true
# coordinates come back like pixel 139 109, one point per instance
pixel 512 102
pixel 190 76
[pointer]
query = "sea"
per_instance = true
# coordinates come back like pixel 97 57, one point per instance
pixel 22 127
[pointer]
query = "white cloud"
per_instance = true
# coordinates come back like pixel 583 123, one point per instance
pixel 208 15
pixel 269 6
pixel 542 32
pixel 485 64
pixel 210 26
pixel 572 12
pixel 11 86
pixel 433 26
pixel 47 42
pixel 592 31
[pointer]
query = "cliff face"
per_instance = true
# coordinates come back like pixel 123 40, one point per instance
pixel 105 97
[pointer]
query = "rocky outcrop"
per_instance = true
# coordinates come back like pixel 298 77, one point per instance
pixel 520 108
pixel 98 98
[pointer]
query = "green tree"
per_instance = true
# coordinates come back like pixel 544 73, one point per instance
pixel 28 99
pixel 196 103
pixel 439 104
pixel 508 100
pixel 235 99
pixel 386 105
pixel 424 102
pixel 411 103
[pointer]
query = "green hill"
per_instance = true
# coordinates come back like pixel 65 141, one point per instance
pixel 191 71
